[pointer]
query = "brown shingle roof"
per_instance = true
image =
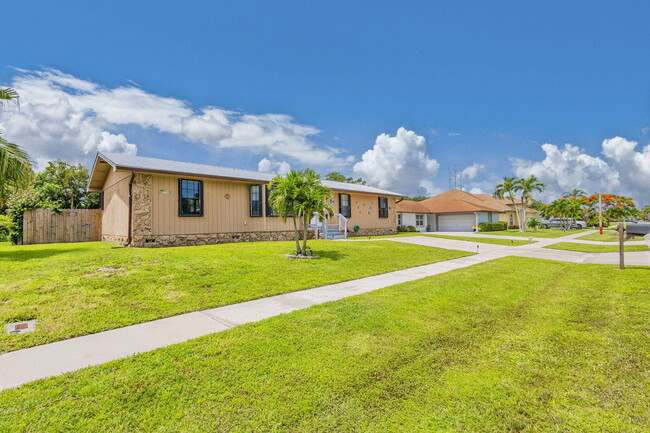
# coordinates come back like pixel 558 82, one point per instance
pixel 458 201
pixel 410 206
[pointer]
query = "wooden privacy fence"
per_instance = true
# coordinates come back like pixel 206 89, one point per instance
pixel 43 226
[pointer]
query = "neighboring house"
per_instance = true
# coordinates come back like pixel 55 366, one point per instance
pixel 412 213
pixel 456 210
pixel 155 202
pixel 509 215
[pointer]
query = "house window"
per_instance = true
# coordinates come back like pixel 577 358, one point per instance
pixel 256 200
pixel 270 212
pixel 419 220
pixel 512 220
pixel 399 219
pixel 190 203
pixel 344 205
pixel 383 207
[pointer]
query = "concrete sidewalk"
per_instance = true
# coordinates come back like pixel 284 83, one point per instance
pixel 27 365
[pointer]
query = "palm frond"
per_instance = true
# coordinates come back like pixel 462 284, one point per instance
pixel 14 163
pixel 9 94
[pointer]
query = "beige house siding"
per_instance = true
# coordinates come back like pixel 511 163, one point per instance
pixel 226 212
pixel 115 215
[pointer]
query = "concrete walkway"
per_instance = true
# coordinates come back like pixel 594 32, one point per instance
pixel 27 365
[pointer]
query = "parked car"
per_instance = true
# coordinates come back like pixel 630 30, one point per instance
pixel 563 222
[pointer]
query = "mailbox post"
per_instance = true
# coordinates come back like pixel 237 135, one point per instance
pixel 625 233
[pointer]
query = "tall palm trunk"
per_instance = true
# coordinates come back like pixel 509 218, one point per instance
pixel 514 206
pixel 306 228
pixel 296 236
pixel 522 228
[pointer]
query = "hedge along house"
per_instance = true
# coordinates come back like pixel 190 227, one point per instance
pixel 153 202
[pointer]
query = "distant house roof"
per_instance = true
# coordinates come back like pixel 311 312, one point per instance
pixel 458 201
pixel 410 206
pixel 505 201
pixel 119 161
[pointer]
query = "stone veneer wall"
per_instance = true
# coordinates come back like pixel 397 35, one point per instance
pixel 141 223
pixel 374 232
pixel 120 240
pixel 211 238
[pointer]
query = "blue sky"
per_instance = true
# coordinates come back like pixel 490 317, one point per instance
pixel 480 82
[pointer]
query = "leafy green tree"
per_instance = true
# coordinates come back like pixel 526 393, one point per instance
pixel 72 180
pixel 15 167
pixel 527 187
pixel 338 177
pixel 298 195
pixel 645 213
pixel 417 198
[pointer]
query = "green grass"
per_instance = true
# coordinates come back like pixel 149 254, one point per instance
pixel 565 351
pixel 591 248
pixel 509 242
pixel 60 286
pixel 607 236
pixel 540 233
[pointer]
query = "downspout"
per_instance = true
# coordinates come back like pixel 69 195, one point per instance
pixel 129 236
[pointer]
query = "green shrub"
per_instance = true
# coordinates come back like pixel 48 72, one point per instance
pixel 6 226
pixel 492 227
pixel 23 201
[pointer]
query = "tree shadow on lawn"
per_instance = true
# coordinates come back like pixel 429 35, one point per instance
pixel 333 255
pixel 20 254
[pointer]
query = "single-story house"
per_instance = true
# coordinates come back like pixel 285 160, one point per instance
pixel 455 210
pixel 509 214
pixel 156 202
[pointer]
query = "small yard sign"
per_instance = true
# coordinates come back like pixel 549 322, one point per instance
pixel 20 327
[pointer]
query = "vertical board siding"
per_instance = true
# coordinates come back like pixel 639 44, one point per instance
pixel 115 218
pixel 43 226
pixel 226 209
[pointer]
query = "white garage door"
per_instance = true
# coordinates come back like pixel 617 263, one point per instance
pixel 461 222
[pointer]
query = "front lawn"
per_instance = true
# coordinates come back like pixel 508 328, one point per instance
pixel 607 236
pixel 540 233
pixel 594 248
pixel 468 238
pixel 496 241
pixel 567 350
pixel 77 289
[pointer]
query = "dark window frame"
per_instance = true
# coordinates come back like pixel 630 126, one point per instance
pixel 342 210
pixel 181 198
pixel 252 207
pixel 383 210
pixel 269 210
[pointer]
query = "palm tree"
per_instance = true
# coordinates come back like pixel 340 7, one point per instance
pixel 527 187
pixel 14 163
pixel 508 189
pixel 299 194
pixel 574 193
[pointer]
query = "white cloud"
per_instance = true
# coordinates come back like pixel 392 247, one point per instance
pixel 399 163
pixel 454 134
pixel 623 170
pixel 267 165
pixel 646 130
pixel 62 116
pixel 472 171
